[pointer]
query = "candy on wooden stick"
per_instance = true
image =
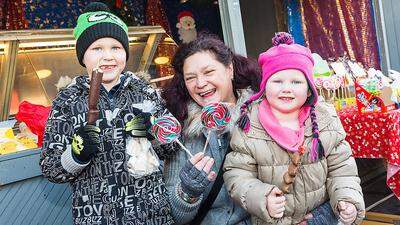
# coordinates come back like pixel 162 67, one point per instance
pixel 94 94
pixel 290 175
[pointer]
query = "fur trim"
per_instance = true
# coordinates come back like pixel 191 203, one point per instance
pixel 144 76
pixel 194 127
pixel 63 82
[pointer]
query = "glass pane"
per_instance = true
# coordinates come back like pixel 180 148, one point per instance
pixel 135 54
pixel 38 73
pixel 161 69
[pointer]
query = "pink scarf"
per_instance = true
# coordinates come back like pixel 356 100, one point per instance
pixel 285 137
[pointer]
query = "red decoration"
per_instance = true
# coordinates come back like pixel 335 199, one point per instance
pixel 367 102
pixel 118 4
pixel 35 117
pixel 2 14
pixel 155 15
pixel 375 135
pixel 15 15
pixel 185 13
pixel 341 27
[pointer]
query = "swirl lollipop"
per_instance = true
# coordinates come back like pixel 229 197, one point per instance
pixel 167 129
pixel 327 84
pixel 215 116
pixel 336 82
pixel 318 82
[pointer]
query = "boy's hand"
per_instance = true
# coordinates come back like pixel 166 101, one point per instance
pixel 347 212
pixel 276 203
pixel 85 143
pixel 140 125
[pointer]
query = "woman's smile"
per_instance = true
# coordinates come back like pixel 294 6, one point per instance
pixel 209 93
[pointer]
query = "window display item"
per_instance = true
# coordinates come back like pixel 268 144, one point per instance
pixel 35 117
pixel 11 143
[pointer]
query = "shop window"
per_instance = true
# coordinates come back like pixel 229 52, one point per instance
pixel 34 64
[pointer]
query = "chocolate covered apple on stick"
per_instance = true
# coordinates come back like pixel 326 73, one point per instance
pixel 94 94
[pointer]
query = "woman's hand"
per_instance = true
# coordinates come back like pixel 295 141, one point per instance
pixel 196 174
pixel 276 203
pixel 347 212
pixel 306 217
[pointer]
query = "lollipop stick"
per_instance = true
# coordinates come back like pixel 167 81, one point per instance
pixel 207 140
pixel 184 148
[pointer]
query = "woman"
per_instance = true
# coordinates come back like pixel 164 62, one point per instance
pixel 206 71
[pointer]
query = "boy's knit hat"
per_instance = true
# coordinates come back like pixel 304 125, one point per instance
pixel 95 23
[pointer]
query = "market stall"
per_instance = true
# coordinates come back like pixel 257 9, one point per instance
pixel 367 104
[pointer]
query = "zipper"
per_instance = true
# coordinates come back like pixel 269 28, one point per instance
pixel 219 144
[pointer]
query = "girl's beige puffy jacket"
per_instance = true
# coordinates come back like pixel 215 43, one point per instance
pixel 257 164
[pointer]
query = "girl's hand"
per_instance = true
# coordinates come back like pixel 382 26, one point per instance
pixel 276 203
pixel 347 212
pixel 196 175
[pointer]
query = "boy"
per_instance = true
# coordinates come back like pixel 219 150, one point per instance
pixel 100 161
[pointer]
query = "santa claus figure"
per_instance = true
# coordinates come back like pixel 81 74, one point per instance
pixel 186 27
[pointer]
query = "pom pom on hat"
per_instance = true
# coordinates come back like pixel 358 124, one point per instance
pixel 282 38
pixel 96 6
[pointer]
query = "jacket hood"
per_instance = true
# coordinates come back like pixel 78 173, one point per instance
pixel 194 127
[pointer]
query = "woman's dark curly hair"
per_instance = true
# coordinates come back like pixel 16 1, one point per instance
pixel 246 72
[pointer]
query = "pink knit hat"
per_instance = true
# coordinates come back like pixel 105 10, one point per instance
pixel 286 55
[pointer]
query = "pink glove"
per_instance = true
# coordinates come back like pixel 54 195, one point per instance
pixel 347 212
pixel 276 203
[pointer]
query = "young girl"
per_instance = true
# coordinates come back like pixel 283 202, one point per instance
pixel 287 121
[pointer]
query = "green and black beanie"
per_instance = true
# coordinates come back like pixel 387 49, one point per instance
pixel 97 22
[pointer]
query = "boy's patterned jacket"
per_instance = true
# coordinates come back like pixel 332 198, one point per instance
pixel 104 191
